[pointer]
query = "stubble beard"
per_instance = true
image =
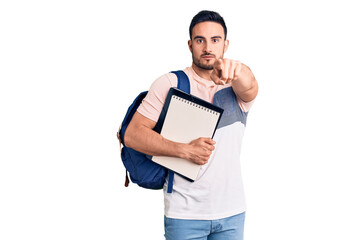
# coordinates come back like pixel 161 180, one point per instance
pixel 204 66
pixel 201 65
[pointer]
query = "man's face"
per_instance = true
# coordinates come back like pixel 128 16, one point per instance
pixel 207 44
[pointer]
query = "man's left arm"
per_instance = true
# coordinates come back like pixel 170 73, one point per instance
pixel 245 85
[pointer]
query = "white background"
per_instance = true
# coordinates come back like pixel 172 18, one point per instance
pixel 69 70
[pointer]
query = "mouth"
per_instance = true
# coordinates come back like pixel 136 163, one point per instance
pixel 207 57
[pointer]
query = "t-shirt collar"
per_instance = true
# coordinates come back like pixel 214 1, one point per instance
pixel 201 80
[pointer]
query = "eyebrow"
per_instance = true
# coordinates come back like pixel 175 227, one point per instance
pixel 201 37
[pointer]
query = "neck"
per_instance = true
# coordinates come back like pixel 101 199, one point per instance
pixel 206 74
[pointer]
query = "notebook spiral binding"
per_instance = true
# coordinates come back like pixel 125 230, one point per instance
pixel 194 104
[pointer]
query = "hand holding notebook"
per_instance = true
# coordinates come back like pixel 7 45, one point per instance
pixel 199 150
pixel 183 119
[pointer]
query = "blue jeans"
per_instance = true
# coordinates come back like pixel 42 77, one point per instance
pixel 230 228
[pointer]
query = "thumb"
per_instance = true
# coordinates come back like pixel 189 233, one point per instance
pixel 218 65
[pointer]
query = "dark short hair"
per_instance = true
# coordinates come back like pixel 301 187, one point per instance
pixel 205 16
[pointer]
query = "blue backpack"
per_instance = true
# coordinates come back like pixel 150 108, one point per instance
pixel 141 168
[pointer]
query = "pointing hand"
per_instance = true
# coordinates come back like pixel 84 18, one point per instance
pixel 225 71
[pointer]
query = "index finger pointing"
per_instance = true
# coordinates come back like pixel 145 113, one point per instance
pixel 218 65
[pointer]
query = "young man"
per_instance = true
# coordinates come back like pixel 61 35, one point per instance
pixel 213 206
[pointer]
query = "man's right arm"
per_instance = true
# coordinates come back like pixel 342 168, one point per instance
pixel 140 136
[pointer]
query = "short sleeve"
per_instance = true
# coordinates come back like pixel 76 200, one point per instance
pixel 245 106
pixel 152 104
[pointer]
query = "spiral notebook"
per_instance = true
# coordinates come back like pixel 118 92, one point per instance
pixel 183 119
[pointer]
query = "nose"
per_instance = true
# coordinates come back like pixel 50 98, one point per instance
pixel 207 47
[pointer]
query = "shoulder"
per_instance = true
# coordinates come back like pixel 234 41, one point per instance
pixel 165 81
pixel 153 103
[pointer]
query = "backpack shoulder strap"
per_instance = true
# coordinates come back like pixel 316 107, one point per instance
pixel 182 81
pixel 184 85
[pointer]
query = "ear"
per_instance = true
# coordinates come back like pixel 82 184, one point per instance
pixel 226 45
pixel 190 45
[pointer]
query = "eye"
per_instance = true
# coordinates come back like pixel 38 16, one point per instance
pixel 215 40
pixel 200 40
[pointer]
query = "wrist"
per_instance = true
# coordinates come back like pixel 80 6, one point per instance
pixel 181 150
